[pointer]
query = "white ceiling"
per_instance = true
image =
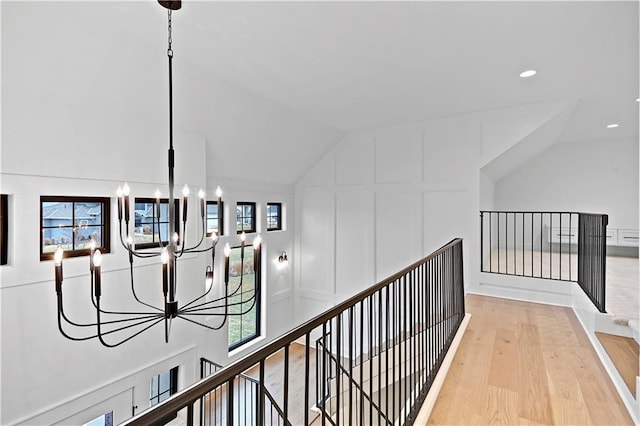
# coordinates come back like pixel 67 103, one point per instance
pixel 343 65
pixel 353 65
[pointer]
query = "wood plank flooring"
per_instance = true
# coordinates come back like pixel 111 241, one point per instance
pixel 625 355
pixel 528 364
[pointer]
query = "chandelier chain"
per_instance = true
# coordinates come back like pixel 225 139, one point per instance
pixel 170 39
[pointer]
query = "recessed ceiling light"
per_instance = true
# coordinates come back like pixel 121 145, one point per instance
pixel 612 126
pixel 528 73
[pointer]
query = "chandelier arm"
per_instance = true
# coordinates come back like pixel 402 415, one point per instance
pixel 93 300
pixel 153 223
pixel 231 314
pixel 197 298
pixel 202 234
pixel 141 315
pixel 133 252
pixel 166 321
pixel 133 291
pixel 61 316
pixel 215 328
pixel 191 251
pixel 142 255
pixel 204 250
pixel 219 298
pixel 130 337
pixel 184 237
pixel 203 307
pixel 110 345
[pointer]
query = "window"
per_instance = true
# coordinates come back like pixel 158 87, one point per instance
pixel 246 217
pixel 146 234
pixel 213 213
pixel 71 223
pixel 163 386
pixel 243 328
pixel 4 229
pixel 103 420
pixel 274 216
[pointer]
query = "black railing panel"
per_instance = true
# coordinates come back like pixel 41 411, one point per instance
pixel 565 246
pixel 592 249
pixel 530 244
pixel 375 361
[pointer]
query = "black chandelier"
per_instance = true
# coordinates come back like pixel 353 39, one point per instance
pixel 125 325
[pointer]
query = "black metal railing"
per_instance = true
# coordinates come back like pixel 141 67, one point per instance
pixel 246 403
pixel 592 255
pixel 325 370
pixel 549 245
pixel 386 345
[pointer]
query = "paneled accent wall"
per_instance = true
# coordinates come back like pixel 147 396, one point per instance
pixel 380 200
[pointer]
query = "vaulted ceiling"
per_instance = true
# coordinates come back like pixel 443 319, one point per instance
pixel 343 66
pixel 353 65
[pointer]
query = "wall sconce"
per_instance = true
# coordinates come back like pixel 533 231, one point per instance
pixel 283 257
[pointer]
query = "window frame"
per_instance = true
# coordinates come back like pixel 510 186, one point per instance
pixel 253 226
pixel 220 214
pixel 105 224
pixel 4 229
pixel 149 200
pixel 278 227
pixel 258 307
pixel 172 389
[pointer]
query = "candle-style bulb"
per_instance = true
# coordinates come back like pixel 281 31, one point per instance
pixel 214 236
pixel 93 244
pixel 97 258
pixel 164 256
pixel 119 191
pixel 185 191
pixel 157 193
pixel 218 192
pixel 129 240
pixel 57 257
pixel 257 241
pixel 243 236
pixel 126 189
pixel 227 250
pixel 209 278
pixel 201 194
pixel 176 237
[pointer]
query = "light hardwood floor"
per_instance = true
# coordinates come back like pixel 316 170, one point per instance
pixel 526 363
pixel 625 355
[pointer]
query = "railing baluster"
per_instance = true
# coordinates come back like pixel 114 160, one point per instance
pixel 307 343
pixel 361 405
pixel 286 382
pixel 393 349
pixel 386 351
pixel 338 365
pixel 261 395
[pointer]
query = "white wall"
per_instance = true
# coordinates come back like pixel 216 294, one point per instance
pixel 587 176
pixel 380 200
pixel 78 119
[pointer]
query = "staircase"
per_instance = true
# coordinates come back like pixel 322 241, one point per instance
pixel 377 388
